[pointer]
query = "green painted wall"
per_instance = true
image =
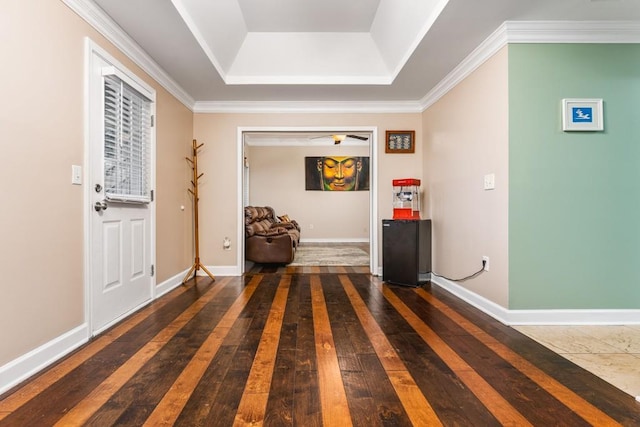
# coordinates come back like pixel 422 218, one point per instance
pixel 574 197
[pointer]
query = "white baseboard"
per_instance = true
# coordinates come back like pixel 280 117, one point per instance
pixel 481 303
pixel 574 317
pixel 222 270
pixel 18 370
pixel 216 270
pixel 543 316
pixel 170 284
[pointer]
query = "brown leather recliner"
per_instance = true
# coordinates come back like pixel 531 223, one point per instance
pixel 267 239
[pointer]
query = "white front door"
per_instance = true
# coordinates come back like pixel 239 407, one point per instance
pixel 120 175
pixel 121 260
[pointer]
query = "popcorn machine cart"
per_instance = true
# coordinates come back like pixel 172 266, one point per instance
pixel 406 198
pixel 406 239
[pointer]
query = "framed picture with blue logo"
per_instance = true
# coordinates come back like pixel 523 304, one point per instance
pixel 582 115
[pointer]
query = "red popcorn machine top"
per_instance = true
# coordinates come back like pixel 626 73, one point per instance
pixel 406 198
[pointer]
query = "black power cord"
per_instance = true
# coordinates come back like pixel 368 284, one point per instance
pixel 471 276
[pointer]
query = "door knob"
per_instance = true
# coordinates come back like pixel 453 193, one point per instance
pixel 100 206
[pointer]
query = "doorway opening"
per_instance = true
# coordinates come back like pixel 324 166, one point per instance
pixel 313 140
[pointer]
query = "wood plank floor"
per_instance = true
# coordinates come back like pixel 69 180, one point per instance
pixel 314 347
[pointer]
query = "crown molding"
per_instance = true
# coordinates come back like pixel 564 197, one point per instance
pixel 275 107
pixel 572 31
pixel 101 22
pixel 534 32
pixel 489 47
pixel 508 32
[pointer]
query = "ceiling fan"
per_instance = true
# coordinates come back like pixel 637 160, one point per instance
pixel 338 138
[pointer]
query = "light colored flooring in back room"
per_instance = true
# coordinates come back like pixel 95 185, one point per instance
pixel 609 352
pixel 362 245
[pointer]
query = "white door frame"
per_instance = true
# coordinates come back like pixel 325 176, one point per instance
pixel 92 52
pixel 373 184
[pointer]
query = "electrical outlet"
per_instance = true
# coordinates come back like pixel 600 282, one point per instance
pixel 485 259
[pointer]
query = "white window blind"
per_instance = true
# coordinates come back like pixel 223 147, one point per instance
pixel 127 142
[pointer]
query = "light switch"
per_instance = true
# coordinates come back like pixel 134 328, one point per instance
pixel 76 174
pixel 490 181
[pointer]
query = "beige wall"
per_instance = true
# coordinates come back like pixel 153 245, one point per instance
pixel 41 125
pixel 174 226
pixel 219 162
pixel 466 137
pixel 277 179
pixel 42 122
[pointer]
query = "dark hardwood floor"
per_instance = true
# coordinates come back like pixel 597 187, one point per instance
pixel 314 346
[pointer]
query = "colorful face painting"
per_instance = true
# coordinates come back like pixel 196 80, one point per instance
pixel 337 173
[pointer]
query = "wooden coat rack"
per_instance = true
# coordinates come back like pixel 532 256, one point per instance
pixel 197 265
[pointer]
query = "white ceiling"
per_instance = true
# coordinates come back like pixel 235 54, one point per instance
pixel 308 16
pixel 303 51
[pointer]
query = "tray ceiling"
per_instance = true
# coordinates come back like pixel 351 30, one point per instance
pixel 299 51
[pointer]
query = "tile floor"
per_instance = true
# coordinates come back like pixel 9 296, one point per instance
pixel 610 352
